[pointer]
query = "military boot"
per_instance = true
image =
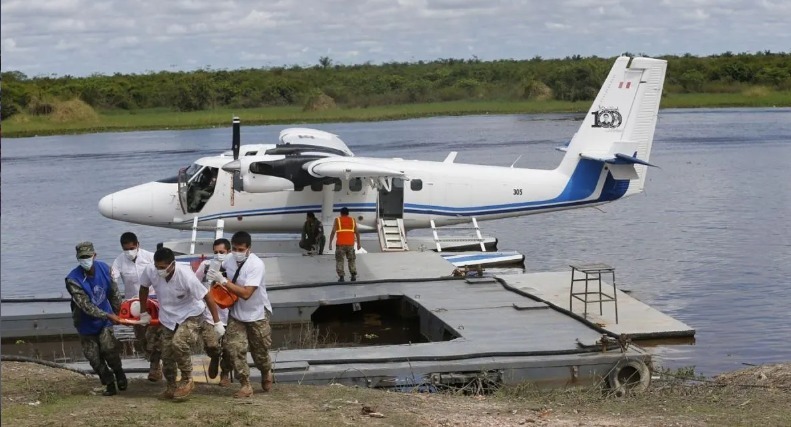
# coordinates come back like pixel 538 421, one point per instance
pixel 169 391
pixel 246 390
pixel 225 379
pixel 110 391
pixel 120 380
pixel 155 372
pixel 266 382
pixel 184 389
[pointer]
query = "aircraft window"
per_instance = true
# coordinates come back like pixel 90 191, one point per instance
pixel 316 186
pixel 338 185
pixel 251 153
pixel 416 185
pixel 355 184
pixel 192 170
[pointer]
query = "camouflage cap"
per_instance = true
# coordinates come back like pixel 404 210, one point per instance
pixel 85 249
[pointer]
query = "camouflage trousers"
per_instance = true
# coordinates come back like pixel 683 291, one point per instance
pixel 348 252
pixel 176 348
pixel 257 336
pixel 103 352
pixel 149 342
pixel 213 346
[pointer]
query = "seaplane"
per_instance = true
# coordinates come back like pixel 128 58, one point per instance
pixel 268 188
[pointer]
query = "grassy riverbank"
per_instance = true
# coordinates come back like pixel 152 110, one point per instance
pixel 34 395
pixel 23 125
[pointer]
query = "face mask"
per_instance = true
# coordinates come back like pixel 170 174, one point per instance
pixel 131 254
pixel 164 272
pixel 240 256
pixel 220 257
pixel 85 263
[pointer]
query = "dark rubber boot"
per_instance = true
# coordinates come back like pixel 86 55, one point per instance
pixel 111 391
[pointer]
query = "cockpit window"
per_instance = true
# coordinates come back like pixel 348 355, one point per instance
pixel 196 186
pixel 192 170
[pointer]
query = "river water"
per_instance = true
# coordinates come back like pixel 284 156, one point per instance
pixel 709 242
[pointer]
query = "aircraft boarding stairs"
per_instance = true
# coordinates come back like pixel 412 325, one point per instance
pixel 392 237
pixel 478 237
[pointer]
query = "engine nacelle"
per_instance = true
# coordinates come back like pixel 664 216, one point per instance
pixel 256 183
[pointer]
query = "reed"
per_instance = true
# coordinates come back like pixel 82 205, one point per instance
pixel 23 125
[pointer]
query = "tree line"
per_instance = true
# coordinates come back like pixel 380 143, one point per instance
pixel 570 79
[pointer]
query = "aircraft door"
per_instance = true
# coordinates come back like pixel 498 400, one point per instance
pixel 391 202
pixel 196 186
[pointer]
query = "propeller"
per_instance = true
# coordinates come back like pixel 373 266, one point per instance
pixel 235 165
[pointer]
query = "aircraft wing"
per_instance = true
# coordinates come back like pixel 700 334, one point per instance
pixel 346 168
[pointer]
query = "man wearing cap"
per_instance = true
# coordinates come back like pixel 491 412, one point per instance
pixel 211 344
pixel 346 228
pixel 95 300
pixel 248 319
pixel 182 303
pixel 127 268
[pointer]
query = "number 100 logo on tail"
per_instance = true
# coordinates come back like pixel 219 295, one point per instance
pixel 607 118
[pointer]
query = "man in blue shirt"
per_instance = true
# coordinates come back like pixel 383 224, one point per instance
pixel 95 300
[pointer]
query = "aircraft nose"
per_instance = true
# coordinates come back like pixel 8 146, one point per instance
pixel 106 206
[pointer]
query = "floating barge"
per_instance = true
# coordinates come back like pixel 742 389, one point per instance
pixel 487 330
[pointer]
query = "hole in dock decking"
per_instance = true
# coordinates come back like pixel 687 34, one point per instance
pixel 365 323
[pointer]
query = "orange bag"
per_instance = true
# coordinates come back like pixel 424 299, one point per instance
pixel 222 296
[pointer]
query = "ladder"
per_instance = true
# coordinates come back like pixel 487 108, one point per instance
pixel 392 237
pixel 218 232
pixel 477 238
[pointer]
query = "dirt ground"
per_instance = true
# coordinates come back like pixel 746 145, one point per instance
pixel 35 395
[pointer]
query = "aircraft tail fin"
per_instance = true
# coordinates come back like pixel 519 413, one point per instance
pixel 619 127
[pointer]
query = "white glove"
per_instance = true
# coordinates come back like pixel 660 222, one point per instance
pixel 145 319
pixel 219 329
pixel 216 276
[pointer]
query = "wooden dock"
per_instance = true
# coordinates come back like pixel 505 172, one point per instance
pixel 505 329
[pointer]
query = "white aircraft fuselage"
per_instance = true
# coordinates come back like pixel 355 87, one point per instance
pixel 605 161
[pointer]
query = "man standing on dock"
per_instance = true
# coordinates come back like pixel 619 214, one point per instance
pixel 95 300
pixel 128 267
pixel 346 227
pixel 182 302
pixel 248 319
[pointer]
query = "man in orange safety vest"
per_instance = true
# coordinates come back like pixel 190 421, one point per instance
pixel 346 228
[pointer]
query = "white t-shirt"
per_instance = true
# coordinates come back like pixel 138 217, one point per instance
pixel 200 273
pixel 179 298
pixel 252 274
pixel 130 271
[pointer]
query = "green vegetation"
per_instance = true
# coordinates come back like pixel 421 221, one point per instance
pixel 34 395
pixel 327 92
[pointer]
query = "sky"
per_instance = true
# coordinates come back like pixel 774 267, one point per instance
pixel 84 37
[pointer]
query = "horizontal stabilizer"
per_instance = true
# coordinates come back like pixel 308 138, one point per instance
pixel 617 159
pixel 621 158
